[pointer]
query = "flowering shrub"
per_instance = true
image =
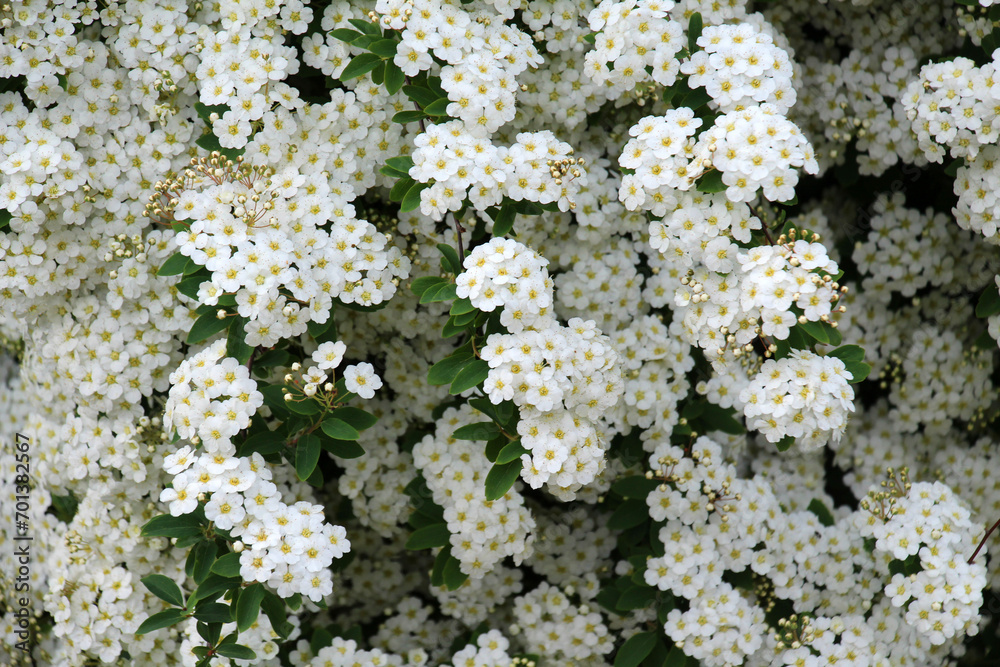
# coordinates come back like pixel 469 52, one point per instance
pixel 499 332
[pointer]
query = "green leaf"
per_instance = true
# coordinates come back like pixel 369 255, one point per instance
pixel 356 417
pixel 359 66
pixel 367 27
pixel 205 327
pixel 477 431
pixel 634 486
pixel 631 513
pixel 274 608
pixel 307 455
pixel 472 375
pixel 164 588
pixel 446 292
pixel 345 449
pixel 236 651
pixel 421 284
pixel 859 371
pixel 345 34
pixel 821 511
pixel 721 419
pixel 502 414
pixel 636 597
pixel 453 575
pixel 636 648
pixel 438 107
pixel 400 162
pixel 989 302
pixel 385 48
pixel 174 265
pixel 695 25
pixel 236 346
pixel 451 257
pixel 227 565
pixel 817 330
pixel 437 572
pixel 446 370
pixel 214 612
pixel 394 77
pixel 163 619
pixel 248 606
pixel 711 182
pixel 421 96
pixel 848 354
pixel 408 116
pixel 512 451
pixel 166 525
pixel 428 537
pixel 504 221
pixel 338 429
pixel 461 307
pixel 590 37
pixel 303 406
pixel 677 658
pixel 266 442
pixel 411 200
pixel 204 558
pixel 501 477
pixel 785 443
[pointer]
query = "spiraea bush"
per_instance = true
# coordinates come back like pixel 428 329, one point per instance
pixel 496 333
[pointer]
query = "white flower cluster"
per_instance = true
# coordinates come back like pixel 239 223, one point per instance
pixel 289 547
pixel 731 295
pixel 928 521
pixel 243 71
pixel 562 633
pixel 345 653
pixel 462 161
pixel 259 232
pixel 906 262
pixel 490 650
pixel 212 398
pixel 34 158
pixel 483 532
pixel 740 66
pixel 562 379
pixel 720 628
pixel 754 148
pixel 655 361
pixel 804 395
pixel 483 57
pixel 954 104
pixel 632 36
pixel 508 274
pixel 976 185
pixel 476 600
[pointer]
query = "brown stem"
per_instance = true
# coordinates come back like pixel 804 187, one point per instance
pixel 983 542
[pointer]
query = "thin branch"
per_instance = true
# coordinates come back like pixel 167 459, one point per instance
pixel 983 542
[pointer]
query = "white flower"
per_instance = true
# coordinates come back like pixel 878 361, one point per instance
pixel 362 380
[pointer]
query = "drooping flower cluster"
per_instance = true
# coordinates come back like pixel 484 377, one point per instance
pixel 740 66
pixel 510 275
pixel 632 36
pixel 288 547
pixel 461 161
pixel 804 395
pixel 483 532
pixel 954 104
pixel 212 398
pixel 927 522
pixel 563 633
pixel 753 148
pixel 976 184
pixel 261 232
